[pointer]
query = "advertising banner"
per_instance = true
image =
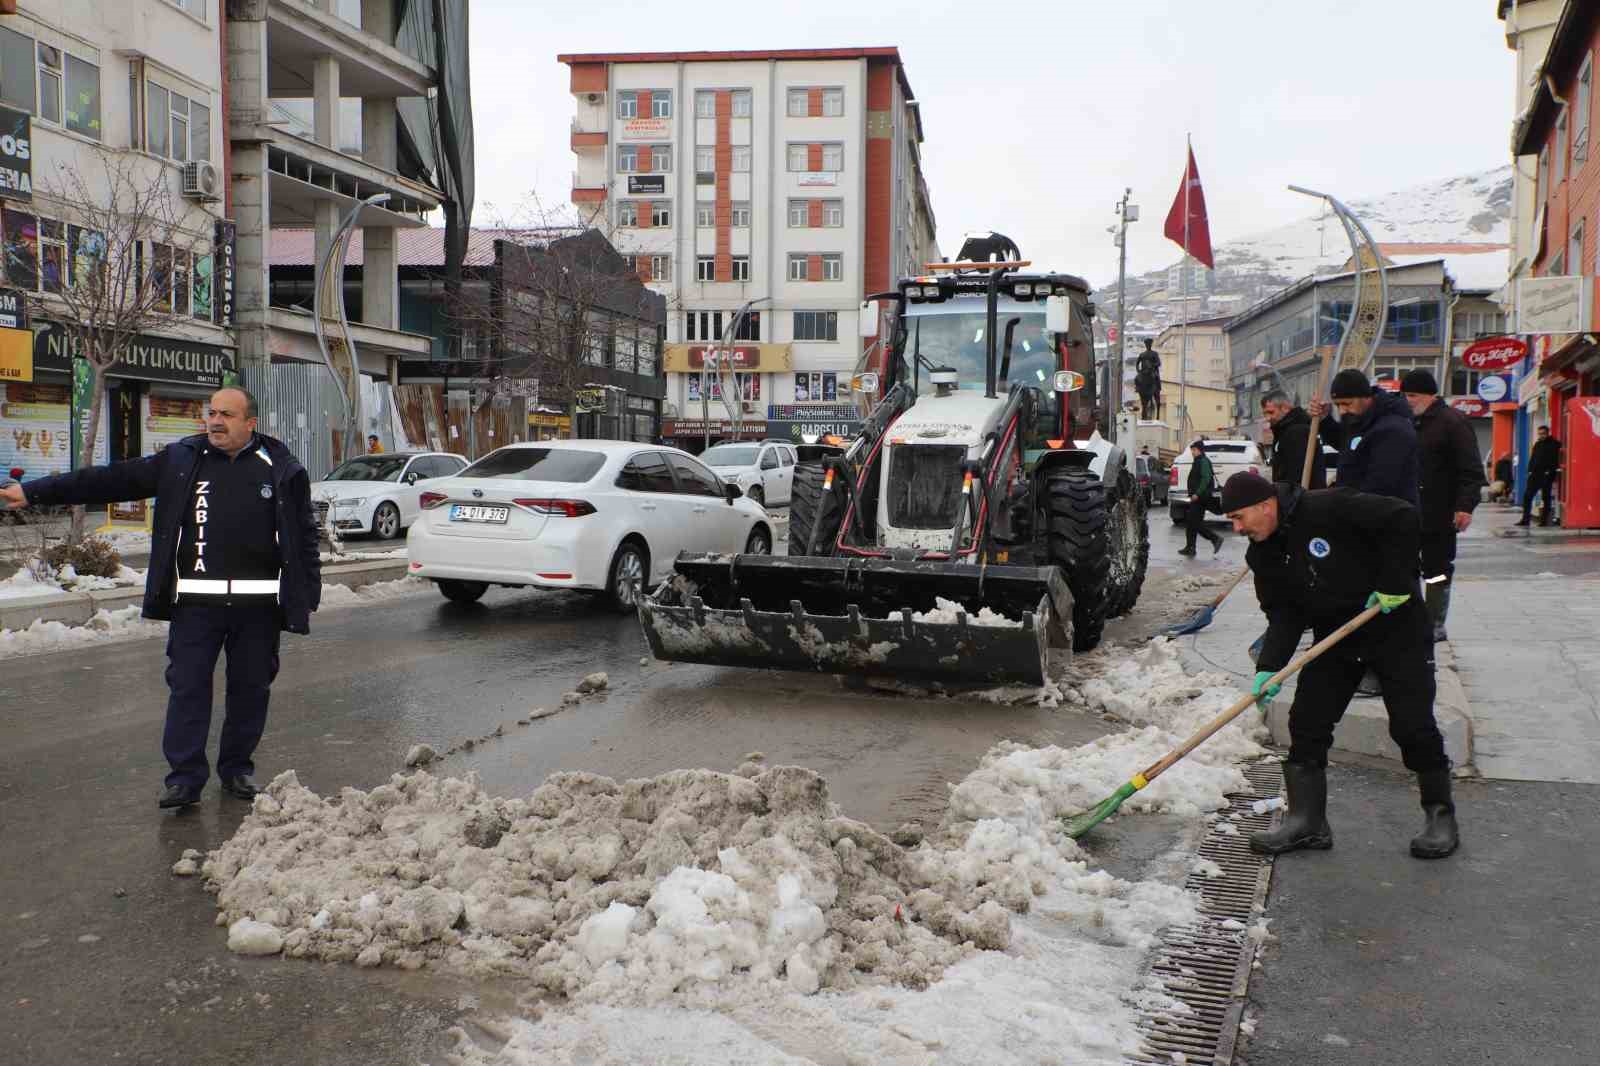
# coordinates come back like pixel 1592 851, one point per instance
pixel 647 184
pixel 16 152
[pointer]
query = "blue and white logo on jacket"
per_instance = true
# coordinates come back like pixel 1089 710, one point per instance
pixel 1355 442
pixel 1319 547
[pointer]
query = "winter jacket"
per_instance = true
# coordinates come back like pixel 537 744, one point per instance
pixel 168 475
pixel 1202 482
pixel 1289 437
pixel 1333 548
pixel 1379 453
pixel 1545 457
pixel 1451 468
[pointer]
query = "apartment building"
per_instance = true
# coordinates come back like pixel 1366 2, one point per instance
pixel 97 97
pixel 789 181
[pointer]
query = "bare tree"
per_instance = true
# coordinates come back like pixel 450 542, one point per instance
pixel 124 224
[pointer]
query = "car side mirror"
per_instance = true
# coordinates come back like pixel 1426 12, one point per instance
pixel 1058 314
pixel 732 492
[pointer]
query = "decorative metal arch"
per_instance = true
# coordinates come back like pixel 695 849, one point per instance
pixel 1369 312
pixel 327 312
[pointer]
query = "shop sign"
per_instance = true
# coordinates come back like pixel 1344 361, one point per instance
pixel 16 153
pixel 1388 384
pixel 1494 353
pixel 645 129
pixel 1470 406
pixel 695 427
pixel 16 355
pixel 1493 388
pixel 1552 304
pixel 689 358
pixel 150 358
pixel 547 420
pixel 224 250
pixel 813 412
pixel 1528 388
pixel 591 399
pixel 818 177
pixel 13 309
pixel 799 430
pixel 648 184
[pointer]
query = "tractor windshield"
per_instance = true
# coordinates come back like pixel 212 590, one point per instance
pixel 952 335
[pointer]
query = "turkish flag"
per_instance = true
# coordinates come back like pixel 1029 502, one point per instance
pixel 1195 237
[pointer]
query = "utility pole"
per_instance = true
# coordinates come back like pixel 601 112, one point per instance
pixel 1126 213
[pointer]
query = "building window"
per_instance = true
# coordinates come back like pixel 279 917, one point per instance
pixel 816 386
pixel 1580 111
pixel 797 266
pixel 833 157
pixel 1558 266
pixel 49 83
pixel 705 166
pixel 627 213
pixel 69 92
pixel 705 214
pixel 741 214
pixel 197 8
pixel 627 158
pixel 833 102
pixel 741 103
pixel 799 214
pixel 1543 190
pixel 748 326
pixel 816 326
pixel 661 213
pixel 661 159
pixel 1560 173
pixel 741 268
pixel 797 157
pixel 799 103
pixel 1575 246
pixel 833 268
pixel 661 268
pixel 705 104
pixel 628 105
pixel 741 159
pixel 705 268
pixel 17 83
pixel 647 357
pixel 833 213
pixel 661 103
pixel 52 255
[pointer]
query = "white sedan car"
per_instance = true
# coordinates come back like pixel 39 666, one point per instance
pixel 609 516
pixel 378 494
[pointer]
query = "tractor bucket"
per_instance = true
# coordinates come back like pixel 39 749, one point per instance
pixel 843 615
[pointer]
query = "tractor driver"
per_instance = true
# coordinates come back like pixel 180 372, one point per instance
pixel 1319 558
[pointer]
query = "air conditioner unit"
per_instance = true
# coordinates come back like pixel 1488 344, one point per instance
pixel 202 182
pixel 593 98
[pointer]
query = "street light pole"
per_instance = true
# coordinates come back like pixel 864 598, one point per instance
pixel 1126 213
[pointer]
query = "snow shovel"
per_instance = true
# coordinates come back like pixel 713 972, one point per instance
pixel 1202 618
pixel 1080 824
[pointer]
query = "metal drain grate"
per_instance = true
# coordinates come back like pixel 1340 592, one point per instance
pixel 1204 966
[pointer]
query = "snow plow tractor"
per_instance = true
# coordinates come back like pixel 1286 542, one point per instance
pixel 978 518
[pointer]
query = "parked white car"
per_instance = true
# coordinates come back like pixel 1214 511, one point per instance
pixel 764 472
pixel 609 516
pixel 378 494
pixel 1228 457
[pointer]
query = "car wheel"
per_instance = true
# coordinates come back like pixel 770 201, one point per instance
pixel 758 496
pixel 463 591
pixel 759 542
pixel 386 522
pixel 630 572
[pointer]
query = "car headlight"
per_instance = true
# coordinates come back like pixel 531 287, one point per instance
pixel 351 502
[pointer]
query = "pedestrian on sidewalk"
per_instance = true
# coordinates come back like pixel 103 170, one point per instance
pixel 1451 486
pixel 1291 434
pixel 1320 558
pixel 1375 436
pixel 1500 490
pixel 1202 497
pixel 233 562
pixel 1544 466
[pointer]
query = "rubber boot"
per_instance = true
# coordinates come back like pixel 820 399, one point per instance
pixel 1437 598
pixel 1306 823
pixel 1439 836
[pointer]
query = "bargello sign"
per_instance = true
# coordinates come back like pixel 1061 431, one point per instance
pixel 149 358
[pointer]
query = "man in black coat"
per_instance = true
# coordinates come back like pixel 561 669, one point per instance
pixel 1291 432
pixel 233 562
pixel 1375 436
pixel 1451 486
pixel 1544 464
pixel 1319 558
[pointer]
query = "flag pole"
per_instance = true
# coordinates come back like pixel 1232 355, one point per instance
pixel 1183 304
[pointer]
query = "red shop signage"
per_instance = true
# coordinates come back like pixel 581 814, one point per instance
pixel 736 358
pixel 1470 406
pixel 1494 353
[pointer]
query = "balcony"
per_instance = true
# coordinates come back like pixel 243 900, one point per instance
pixel 588 190
pixel 369 67
pixel 587 140
pixel 302 172
pixel 294 337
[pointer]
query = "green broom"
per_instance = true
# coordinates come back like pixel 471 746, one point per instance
pixel 1080 824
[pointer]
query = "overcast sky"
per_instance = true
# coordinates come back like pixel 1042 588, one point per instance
pixel 1038 114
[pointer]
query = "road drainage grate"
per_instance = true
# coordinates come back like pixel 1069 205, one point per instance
pixel 1206 966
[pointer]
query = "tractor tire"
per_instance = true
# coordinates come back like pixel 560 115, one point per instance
pixel 1128 533
pixel 1076 541
pixel 809 509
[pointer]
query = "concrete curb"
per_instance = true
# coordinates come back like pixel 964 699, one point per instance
pixel 76 608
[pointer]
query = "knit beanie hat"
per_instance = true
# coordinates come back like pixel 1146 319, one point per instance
pixel 1419 382
pixel 1245 489
pixel 1350 385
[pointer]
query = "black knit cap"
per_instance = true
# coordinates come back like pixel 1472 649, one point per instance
pixel 1245 489
pixel 1419 382
pixel 1350 384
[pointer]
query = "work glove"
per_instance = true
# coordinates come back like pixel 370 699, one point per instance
pixel 1388 601
pixel 1263 692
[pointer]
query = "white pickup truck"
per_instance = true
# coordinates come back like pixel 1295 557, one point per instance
pixel 1228 456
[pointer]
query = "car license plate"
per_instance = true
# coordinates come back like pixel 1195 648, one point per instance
pixel 471 512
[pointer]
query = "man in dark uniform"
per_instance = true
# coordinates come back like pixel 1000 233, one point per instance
pixel 1375 436
pixel 233 562
pixel 1543 464
pixel 1451 486
pixel 1202 487
pixel 1291 434
pixel 1319 558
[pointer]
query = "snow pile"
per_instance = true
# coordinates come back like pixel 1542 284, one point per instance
pixel 121 624
pixel 344 596
pixel 27 582
pixel 70 579
pixel 945 611
pixel 37 578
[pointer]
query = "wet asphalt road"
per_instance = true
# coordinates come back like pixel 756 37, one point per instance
pixel 105 956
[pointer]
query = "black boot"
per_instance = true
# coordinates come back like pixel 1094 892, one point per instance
pixel 1306 823
pixel 179 796
pixel 1437 598
pixel 1527 519
pixel 1440 836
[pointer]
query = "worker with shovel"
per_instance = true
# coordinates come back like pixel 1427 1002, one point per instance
pixel 1319 559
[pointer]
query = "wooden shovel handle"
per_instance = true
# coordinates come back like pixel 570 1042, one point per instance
pixel 1314 652
pixel 1228 589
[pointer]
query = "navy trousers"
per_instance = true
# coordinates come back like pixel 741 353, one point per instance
pixel 198 633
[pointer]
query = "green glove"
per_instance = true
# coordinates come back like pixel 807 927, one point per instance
pixel 1263 692
pixel 1387 600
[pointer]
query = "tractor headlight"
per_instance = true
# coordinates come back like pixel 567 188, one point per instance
pixel 1023 290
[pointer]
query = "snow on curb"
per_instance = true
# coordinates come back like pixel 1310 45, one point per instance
pixel 711 917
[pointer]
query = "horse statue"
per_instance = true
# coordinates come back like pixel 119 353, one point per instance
pixel 1147 381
